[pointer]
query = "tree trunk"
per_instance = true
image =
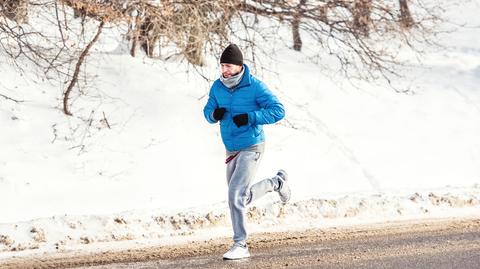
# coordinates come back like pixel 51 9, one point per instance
pixel 134 35
pixel 81 59
pixel 193 50
pixel 79 13
pixel 406 19
pixel 134 46
pixel 297 39
pixel 361 16
pixel 148 35
pixel 145 28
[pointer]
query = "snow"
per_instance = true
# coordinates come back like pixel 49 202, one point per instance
pixel 354 154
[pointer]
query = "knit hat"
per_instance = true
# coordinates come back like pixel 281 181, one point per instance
pixel 232 55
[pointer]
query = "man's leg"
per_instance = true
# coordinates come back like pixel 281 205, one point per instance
pixel 276 183
pixel 261 188
pixel 240 172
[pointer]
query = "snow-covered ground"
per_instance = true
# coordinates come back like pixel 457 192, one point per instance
pixel 354 155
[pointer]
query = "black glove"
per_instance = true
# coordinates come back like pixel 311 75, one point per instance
pixel 241 119
pixel 218 113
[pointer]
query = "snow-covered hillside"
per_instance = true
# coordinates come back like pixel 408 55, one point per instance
pixel 353 154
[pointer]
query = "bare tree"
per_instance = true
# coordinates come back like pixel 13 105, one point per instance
pixel 51 53
pixel 297 39
pixel 189 25
pixel 359 33
pixel 364 36
pixel 16 10
pixel 405 16
pixel 361 11
pixel 80 61
pixel 27 45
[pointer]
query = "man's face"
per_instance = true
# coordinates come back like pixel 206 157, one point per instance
pixel 229 70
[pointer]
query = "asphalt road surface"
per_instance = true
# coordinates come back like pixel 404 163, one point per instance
pixel 433 244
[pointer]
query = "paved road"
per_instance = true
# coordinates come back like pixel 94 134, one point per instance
pixel 436 245
pixel 436 250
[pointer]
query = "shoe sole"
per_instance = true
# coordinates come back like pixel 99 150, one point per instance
pixel 284 178
pixel 234 259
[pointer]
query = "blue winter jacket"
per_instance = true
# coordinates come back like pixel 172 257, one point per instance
pixel 250 96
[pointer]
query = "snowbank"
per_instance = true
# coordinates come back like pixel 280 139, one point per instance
pixel 352 154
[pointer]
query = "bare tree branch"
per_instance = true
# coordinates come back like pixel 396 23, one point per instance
pixel 11 99
pixel 81 59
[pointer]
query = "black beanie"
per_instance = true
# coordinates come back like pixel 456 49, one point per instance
pixel 232 55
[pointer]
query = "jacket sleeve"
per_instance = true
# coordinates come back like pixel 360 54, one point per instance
pixel 210 107
pixel 271 109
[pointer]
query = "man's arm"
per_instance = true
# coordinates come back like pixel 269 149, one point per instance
pixel 210 107
pixel 271 109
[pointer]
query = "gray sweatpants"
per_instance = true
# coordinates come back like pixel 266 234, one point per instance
pixel 240 172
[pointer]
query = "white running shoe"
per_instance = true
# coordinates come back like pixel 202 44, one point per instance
pixel 237 251
pixel 283 190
